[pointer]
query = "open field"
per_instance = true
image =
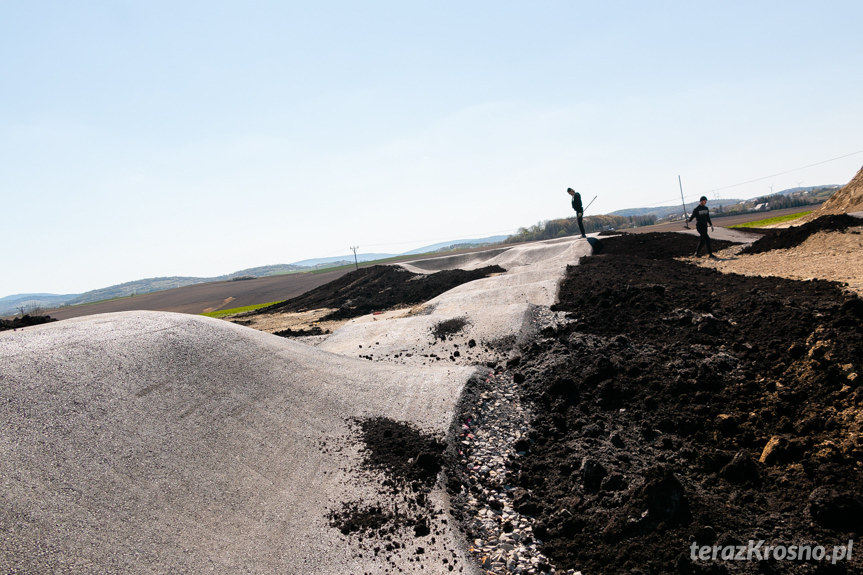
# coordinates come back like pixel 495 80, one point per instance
pixel 790 218
pixel 725 221
pixel 201 298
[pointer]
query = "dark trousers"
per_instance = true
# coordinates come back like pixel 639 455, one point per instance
pixel 704 239
pixel 578 216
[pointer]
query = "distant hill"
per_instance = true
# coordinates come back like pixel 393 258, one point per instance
pixel 14 304
pixel 137 287
pixel 660 212
pixel 799 195
pixel 262 271
pixel 27 302
pixel 457 244
pixel 441 246
pixel 341 260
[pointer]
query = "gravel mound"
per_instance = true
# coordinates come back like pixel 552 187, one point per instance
pixel 149 442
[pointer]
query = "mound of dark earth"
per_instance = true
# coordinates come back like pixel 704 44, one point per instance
pixel 682 406
pixel 784 238
pixel 378 288
pixel 24 321
pixel 654 245
pixel 403 462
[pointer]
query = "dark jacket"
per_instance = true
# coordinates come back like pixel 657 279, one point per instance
pixel 701 215
pixel 576 202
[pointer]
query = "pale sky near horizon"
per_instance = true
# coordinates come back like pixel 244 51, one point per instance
pixel 153 138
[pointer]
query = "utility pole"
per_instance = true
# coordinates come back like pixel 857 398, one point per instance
pixel 679 181
pixel 356 263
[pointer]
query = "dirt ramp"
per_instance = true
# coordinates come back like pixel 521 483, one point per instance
pixel 148 442
pixel 847 200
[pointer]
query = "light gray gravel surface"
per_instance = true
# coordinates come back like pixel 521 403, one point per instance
pixel 148 442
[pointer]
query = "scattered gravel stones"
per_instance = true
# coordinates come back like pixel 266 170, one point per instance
pixel 492 433
pixel 502 538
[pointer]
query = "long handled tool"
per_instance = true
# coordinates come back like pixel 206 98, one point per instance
pixel 588 205
pixel 685 222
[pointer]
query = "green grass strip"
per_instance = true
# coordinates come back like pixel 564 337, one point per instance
pixel 768 221
pixel 232 311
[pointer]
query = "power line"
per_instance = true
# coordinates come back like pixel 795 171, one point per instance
pixel 787 171
pixel 757 179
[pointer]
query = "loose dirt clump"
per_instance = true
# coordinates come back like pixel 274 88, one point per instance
pixel 315 330
pixel 377 288
pixel 405 463
pixel 684 406
pixel 444 329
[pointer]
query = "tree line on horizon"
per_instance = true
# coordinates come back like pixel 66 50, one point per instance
pixel 563 227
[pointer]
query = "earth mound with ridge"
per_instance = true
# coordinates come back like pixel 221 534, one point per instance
pixel 377 288
pixel 681 406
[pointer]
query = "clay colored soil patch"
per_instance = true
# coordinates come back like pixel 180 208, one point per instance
pixel 830 255
pixel 305 321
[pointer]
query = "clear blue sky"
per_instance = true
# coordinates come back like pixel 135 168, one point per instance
pixel 157 138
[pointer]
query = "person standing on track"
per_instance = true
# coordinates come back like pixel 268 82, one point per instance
pixel 579 211
pixel 701 215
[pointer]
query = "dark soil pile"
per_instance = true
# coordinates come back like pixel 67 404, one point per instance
pixel 784 238
pixel 654 245
pixel 24 321
pixel 682 406
pixel 377 288
pixel 444 329
pixel 404 462
pixel 315 330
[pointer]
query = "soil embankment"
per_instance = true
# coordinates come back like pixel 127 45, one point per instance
pixel 681 405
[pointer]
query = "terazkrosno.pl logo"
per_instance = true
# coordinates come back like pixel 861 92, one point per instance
pixel 758 551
